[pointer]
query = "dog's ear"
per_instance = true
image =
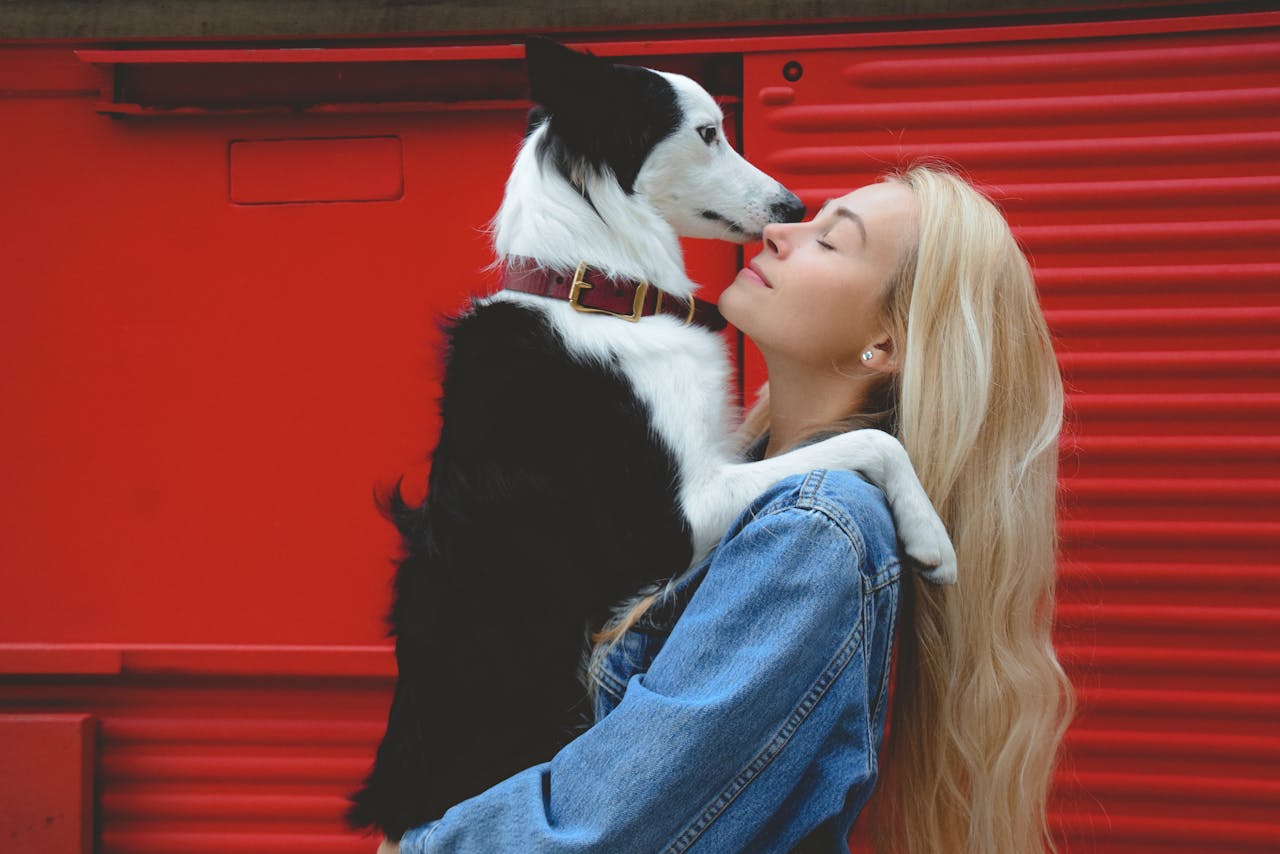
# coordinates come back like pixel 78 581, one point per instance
pixel 563 80
pixel 602 114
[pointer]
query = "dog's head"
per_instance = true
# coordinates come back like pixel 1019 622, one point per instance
pixel 660 136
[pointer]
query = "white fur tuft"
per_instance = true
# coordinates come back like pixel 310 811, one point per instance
pixel 544 218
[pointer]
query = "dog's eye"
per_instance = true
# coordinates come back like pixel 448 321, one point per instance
pixel 708 134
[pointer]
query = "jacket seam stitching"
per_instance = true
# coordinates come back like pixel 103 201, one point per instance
pixel 812 483
pixel 891 576
pixel 884 677
pixel 886 574
pixel 426 840
pixel 781 738
pixel 806 500
pixel 841 520
pixel 869 612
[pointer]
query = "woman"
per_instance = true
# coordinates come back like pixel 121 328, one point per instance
pixel 743 707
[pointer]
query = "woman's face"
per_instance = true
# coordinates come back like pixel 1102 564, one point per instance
pixel 815 294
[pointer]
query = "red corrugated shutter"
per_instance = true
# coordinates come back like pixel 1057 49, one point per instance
pixel 208 388
pixel 1142 174
pixel 218 333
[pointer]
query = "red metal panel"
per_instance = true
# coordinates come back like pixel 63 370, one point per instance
pixel 280 171
pixel 46 783
pixel 209 390
pixel 1141 173
pixel 236 765
pixel 207 393
pixel 213 390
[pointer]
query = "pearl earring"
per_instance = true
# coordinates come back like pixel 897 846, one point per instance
pixel 867 355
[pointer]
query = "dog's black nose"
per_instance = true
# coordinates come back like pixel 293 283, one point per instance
pixel 790 209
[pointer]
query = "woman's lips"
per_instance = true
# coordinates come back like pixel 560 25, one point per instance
pixel 753 273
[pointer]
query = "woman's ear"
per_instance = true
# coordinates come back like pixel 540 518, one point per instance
pixel 882 356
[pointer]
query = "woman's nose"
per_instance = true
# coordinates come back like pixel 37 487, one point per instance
pixel 775 238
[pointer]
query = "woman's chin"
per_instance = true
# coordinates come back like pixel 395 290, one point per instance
pixel 730 303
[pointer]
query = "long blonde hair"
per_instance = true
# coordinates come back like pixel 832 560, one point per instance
pixel 980 702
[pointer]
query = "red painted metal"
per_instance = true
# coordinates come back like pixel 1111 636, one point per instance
pixel 219 309
pixel 213 389
pixel 223 335
pixel 73 659
pixel 247 763
pixel 46 783
pixel 1141 174
pixel 275 172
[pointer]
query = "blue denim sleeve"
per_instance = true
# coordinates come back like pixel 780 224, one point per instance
pixel 762 673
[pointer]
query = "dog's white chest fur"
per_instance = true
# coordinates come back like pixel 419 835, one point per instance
pixel 680 373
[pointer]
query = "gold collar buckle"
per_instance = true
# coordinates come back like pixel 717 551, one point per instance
pixel 579 285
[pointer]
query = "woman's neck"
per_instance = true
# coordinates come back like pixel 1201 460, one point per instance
pixel 803 399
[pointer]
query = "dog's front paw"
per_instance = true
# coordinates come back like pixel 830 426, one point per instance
pixel 925 540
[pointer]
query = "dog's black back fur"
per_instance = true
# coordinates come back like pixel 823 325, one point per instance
pixel 550 499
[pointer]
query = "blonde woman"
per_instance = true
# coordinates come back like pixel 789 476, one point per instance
pixel 743 707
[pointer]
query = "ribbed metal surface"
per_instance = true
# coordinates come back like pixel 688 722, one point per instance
pixel 224 766
pixel 1142 175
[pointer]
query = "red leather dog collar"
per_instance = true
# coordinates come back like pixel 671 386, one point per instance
pixel 592 292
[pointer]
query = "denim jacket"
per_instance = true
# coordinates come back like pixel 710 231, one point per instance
pixel 742 713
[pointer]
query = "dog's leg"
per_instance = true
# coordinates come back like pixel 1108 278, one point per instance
pixel 713 502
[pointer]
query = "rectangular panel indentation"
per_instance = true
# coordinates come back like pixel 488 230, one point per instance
pixel 283 171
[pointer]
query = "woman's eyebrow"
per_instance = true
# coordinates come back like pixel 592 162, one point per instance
pixel 850 215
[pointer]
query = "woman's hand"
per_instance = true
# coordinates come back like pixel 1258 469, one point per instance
pixel 389 847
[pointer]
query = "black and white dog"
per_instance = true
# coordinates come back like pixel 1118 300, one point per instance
pixel 581 456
